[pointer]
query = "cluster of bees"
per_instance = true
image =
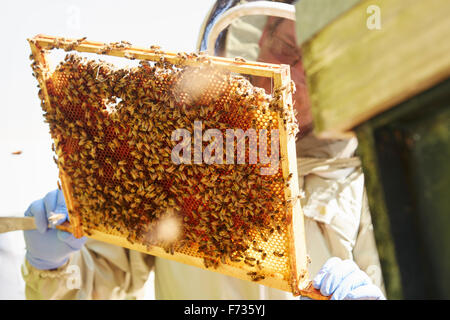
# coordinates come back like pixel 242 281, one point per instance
pixel 112 132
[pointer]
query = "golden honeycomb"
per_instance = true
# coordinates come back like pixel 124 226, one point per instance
pixel 113 131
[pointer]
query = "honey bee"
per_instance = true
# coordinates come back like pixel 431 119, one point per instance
pixel 251 264
pixel 130 56
pixel 258 278
pixel 279 229
pixel 292 86
pixel 278 254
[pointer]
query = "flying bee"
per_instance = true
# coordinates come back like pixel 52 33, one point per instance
pixel 292 86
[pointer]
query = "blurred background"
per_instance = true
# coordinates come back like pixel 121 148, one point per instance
pixel 172 24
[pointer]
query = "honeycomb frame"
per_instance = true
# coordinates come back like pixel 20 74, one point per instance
pixel 296 280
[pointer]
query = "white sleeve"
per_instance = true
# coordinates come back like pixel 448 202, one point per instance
pixel 98 271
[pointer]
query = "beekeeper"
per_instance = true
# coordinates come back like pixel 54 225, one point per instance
pixel 338 227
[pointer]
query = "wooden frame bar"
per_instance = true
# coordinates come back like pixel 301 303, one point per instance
pixel 354 72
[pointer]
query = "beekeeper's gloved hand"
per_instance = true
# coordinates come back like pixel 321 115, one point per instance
pixel 49 248
pixel 343 280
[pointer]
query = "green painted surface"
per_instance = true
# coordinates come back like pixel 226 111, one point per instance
pixel 427 151
pixel 380 218
pixel 313 15
pixel 405 154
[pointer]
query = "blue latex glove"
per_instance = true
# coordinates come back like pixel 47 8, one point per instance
pixel 49 248
pixel 343 280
